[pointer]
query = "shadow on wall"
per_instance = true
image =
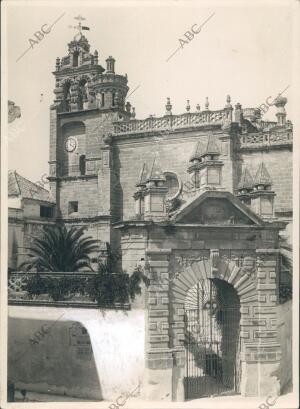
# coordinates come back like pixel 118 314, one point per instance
pixel 94 354
pixel 53 358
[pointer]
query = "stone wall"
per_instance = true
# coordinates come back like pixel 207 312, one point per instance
pixel 15 237
pixel 85 192
pixel 22 230
pixel 114 169
pixel 86 189
pixel 173 152
pixel 260 353
pixel 20 233
pixel 279 163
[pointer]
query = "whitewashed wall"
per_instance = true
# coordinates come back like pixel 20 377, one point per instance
pixel 54 366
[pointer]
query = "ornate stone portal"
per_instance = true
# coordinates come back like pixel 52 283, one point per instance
pixel 243 254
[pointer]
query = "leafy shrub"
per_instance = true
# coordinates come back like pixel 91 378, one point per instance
pixel 108 288
pixel 134 282
pixel 105 287
pixel 56 287
pixel 35 285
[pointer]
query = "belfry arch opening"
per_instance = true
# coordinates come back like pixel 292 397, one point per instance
pixel 67 96
pixel 82 92
pixel 212 341
pixel 75 59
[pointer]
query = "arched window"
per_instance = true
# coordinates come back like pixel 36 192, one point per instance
pixel 75 59
pixel 82 164
pixel 102 99
pixel 113 99
pixel 82 94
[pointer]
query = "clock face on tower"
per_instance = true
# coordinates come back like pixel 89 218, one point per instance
pixel 71 144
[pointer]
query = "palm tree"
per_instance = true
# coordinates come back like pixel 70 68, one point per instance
pixel 63 250
pixel 60 250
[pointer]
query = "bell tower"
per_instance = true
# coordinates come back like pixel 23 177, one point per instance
pixel 88 100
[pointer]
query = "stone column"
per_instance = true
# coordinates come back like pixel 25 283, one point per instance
pixel 159 360
pixel 263 354
pixel 104 181
pixel 226 145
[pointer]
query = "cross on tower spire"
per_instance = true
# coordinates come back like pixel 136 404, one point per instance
pixel 79 27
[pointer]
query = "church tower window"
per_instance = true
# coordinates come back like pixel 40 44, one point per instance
pixel 82 164
pixel 82 94
pixel 75 59
pixel 67 96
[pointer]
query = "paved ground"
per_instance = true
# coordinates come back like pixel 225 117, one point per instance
pixel 287 401
pixel 224 402
pixel 43 397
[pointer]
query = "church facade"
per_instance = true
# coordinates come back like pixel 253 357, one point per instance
pixel 203 201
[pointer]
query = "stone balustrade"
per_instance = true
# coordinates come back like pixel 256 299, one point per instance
pixel 110 79
pixel 268 133
pixel 172 122
pixel 267 125
pixel 278 137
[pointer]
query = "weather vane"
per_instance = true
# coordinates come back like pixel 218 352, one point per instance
pixel 79 27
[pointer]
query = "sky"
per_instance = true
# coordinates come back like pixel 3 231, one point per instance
pixel 244 50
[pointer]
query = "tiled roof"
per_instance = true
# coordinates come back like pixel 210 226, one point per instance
pixel 20 186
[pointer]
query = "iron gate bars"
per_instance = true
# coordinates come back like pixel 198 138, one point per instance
pixel 212 315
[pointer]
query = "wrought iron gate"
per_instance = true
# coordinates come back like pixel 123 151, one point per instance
pixel 212 342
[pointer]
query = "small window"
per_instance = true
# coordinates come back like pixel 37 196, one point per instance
pixel 113 99
pixel 46 211
pixel 102 99
pixel 73 207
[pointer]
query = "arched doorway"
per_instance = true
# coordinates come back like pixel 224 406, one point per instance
pixel 212 341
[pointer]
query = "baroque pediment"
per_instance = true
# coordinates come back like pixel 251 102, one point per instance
pixel 216 208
